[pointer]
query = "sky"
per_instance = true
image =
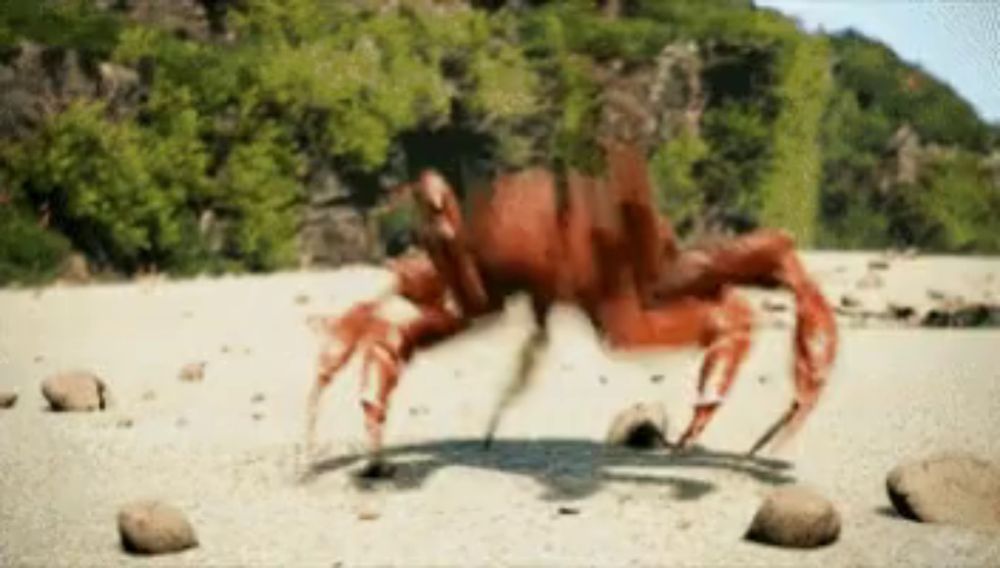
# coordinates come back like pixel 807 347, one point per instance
pixel 957 41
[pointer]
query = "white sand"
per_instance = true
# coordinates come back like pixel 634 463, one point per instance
pixel 896 393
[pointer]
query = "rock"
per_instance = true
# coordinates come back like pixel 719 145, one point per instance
pixel 302 299
pixel 258 398
pixel 75 391
pixel 849 301
pixel 76 270
pixel 949 488
pixel 971 315
pixel 878 264
pixel 936 295
pixel 193 372
pixel 774 306
pixel 154 527
pixel 795 516
pixel 900 311
pixel 568 511
pixel 641 426
pixel 8 399
pixel 124 423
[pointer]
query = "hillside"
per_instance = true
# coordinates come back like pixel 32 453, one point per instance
pixel 216 136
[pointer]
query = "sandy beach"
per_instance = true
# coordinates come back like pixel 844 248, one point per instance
pixel 229 450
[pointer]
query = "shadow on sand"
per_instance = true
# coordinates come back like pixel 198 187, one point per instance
pixel 567 468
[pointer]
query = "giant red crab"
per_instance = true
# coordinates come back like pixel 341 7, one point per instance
pixel 600 246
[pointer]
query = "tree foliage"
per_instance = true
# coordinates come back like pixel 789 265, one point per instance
pixel 207 168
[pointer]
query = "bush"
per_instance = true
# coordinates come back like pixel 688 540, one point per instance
pixel 29 254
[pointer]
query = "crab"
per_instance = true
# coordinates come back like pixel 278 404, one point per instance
pixel 596 243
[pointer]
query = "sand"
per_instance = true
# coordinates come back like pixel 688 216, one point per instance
pixel 228 449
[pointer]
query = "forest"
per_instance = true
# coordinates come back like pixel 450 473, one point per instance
pixel 219 136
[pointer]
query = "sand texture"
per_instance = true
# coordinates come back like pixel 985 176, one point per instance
pixel 228 449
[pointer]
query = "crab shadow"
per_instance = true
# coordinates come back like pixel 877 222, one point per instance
pixel 567 469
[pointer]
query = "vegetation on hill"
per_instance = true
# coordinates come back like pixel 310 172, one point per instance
pixel 192 150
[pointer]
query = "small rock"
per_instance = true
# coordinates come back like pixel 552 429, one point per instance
pixel 39 358
pixel 257 416
pixel 125 423
pixel 224 349
pixel 656 379
pixel 75 391
pixel 936 295
pixel 950 488
pixel 193 372
pixel 878 264
pixel 774 306
pixel 602 379
pixel 154 527
pixel 569 511
pixel 849 301
pixel 8 399
pixel 302 299
pixel 795 517
pixel 75 270
pixel 257 398
pixel 367 515
pixel 972 315
pixel 641 426
pixel 901 312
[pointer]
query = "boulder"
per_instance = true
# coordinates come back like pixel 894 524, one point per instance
pixel 8 399
pixel 75 391
pixel 949 488
pixel 641 426
pixel 154 527
pixel 795 516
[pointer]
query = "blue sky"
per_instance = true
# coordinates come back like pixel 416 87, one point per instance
pixel 957 41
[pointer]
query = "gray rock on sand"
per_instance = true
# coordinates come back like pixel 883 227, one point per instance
pixel 641 426
pixel 8 399
pixel 950 488
pixel 795 516
pixel 154 527
pixel 75 391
